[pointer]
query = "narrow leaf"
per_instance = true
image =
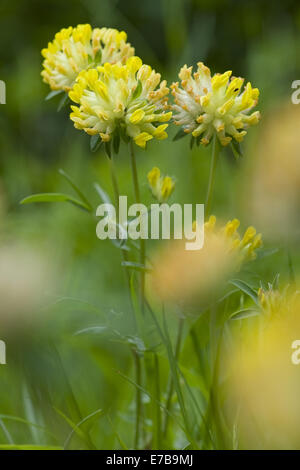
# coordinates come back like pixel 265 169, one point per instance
pixel 74 427
pixel 180 134
pixel 52 94
pixel 95 142
pixel 63 102
pixel 246 288
pixel 116 143
pixel 103 194
pixel 136 266
pixel 75 187
pixel 243 313
pixel 236 149
pixel 54 197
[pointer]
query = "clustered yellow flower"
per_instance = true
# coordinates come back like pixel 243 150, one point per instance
pixel 244 247
pixel 123 98
pixel 161 186
pixel 206 105
pixel 80 48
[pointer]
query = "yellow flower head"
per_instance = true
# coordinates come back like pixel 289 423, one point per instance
pixel 80 48
pixel 121 98
pixel 205 105
pixel 161 186
pixel 245 247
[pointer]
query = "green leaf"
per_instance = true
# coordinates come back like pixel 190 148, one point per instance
pixel 107 148
pixel 29 447
pixel 246 288
pixel 95 330
pixel 192 141
pixel 243 313
pixel 145 391
pixel 63 102
pixel 17 419
pixel 124 135
pixel 175 371
pixel 95 142
pixel 122 443
pixel 85 420
pixel 54 197
pixel 116 143
pixel 75 187
pixel 52 94
pixel 236 149
pixel 180 134
pixel 137 92
pixel 265 253
pixel 136 266
pixel 103 194
pixel 75 428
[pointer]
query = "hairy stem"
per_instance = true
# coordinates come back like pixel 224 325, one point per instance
pixel 142 241
pixel 115 185
pixel 171 383
pixel 212 174
pixel 138 401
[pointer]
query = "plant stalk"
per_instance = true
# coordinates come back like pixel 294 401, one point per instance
pixel 212 175
pixel 142 241
pixel 171 383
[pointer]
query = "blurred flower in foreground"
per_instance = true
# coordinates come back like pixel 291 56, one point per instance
pixel 161 186
pixel 273 195
pixel 181 275
pixel 121 98
pixel 79 48
pixel 24 277
pixel 263 393
pixel 205 105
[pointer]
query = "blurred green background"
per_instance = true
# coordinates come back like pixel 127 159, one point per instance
pixel 48 366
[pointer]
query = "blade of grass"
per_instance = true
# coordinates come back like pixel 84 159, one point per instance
pixel 76 429
pixel 83 421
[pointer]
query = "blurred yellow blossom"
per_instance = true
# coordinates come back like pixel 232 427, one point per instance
pixel 121 98
pixel 25 276
pixel 80 48
pixel 161 186
pixel 272 193
pixel 262 392
pixel 206 105
pixel 181 275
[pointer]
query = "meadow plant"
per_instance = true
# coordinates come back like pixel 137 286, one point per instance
pixel 118 98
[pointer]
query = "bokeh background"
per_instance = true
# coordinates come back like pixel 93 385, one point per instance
pixel 51 363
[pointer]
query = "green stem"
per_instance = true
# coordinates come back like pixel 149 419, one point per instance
pixel 212 174
pixel 171 383
pixel 115 185
pixel 157 419
pixel 138 400
pixel 142 241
